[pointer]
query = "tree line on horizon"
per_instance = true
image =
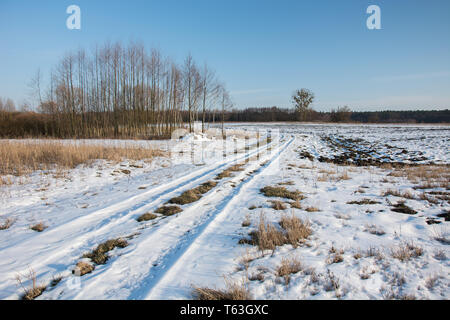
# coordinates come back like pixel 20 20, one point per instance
pixel 122 91
pixel 339 115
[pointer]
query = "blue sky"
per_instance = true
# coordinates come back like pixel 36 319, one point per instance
pixel 262 50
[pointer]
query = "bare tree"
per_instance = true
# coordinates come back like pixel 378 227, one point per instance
pixel 210 91
pixel 226 104
pixel 192 83
pixel 118 90
pixel 35 87
pixel 302 100
pixel 9 105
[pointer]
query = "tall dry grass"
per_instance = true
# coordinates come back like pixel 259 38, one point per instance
pixel 425 176
pixel 19 158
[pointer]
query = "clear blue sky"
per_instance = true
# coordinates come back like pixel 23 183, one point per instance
pixel 262 49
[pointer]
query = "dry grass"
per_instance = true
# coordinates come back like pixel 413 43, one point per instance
pixel 336 255
pixel 228 172
pixel 146 217
pixel 7 223
pixel 374 229
pixel 186 197
pixel 363 202
pixel 286 183
pixel 247 222
pixel 401 207
pixel 396 193
pixel 267 236
pixel 374 252
pixel 39 227
pixel 287 267
pixel 406 251
pixel 168 210
pixel 344 176
pixel 18 158
pixel 193 195
pixel 232 291
pixel 425 176
pixel 278 205
pixel 83 268
pixel 296 204
pixel 223 174
pixel 205 187
pixel 426 197
pixel 296 229
pixel 281 192
pixel 440 255
pixel 441 235
pixel 332 283
pixel 35 290
pixel 100 254
pixel 312 209
pixel 431 282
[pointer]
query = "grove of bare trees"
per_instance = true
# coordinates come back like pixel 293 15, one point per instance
pixel 124 91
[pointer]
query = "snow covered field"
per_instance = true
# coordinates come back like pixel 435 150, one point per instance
pixel 375 198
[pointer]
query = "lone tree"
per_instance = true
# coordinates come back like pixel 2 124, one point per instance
pixel 302 99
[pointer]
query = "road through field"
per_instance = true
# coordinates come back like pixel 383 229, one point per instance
pixel 62 245
pixel 150 261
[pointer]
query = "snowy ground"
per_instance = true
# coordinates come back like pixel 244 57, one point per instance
pixel 167 256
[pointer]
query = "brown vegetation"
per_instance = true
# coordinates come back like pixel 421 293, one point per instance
pixel 83 268
pixel 100 254
pixel 406 251
pixel 18 158
pixel 169 210
pixel 8 222
pixel 35 290
pixel 363 202
pixel 288 267
pixel 281 192
pixel 268 236
pixel 39 227
pixel 193 195
pixel 278 205
pixel 233 291
pixel 146 217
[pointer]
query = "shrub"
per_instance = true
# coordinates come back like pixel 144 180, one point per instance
pixel 35 290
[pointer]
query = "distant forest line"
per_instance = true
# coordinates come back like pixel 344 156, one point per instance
pixel 275 114
pixel 33 124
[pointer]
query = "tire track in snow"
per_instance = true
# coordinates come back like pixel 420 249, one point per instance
pixel 49 248
pixel 141 267
pixel 182 255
